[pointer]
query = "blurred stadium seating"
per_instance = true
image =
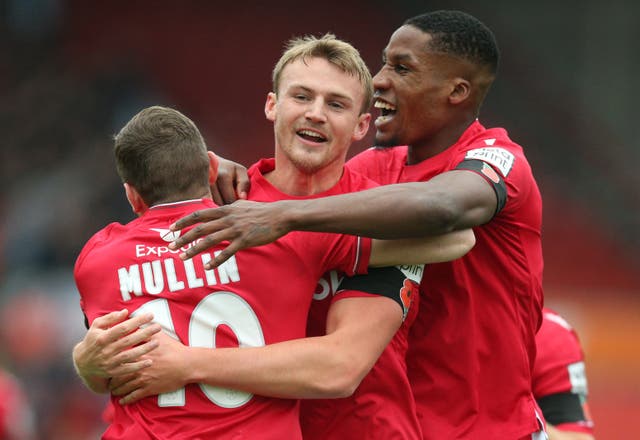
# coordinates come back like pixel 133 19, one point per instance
pixel 79 70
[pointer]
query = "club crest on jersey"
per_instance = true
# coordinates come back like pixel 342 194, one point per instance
pixel 410 286
pixel 496 156
pixel 167 234
pixel 408 291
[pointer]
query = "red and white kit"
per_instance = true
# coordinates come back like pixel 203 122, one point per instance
pixel 260 296
pixel 559 378
pixel 473 343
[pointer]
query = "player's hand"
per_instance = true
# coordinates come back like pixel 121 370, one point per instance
pixel 166 372
pixel 114 345
pixel 243 224
pixel 232 182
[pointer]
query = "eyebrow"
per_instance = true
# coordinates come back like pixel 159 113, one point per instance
pixel 398 56
pixel 333 95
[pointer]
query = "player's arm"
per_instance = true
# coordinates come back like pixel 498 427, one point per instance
pixel 557 434
pixel 232 182
pixel 113 346
pixel 328 366
pixel 454 200
pixel 565 416
pixel 425 250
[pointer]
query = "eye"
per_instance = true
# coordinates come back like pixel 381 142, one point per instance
pixel 336 105
pixel 301 97
pixel 401 68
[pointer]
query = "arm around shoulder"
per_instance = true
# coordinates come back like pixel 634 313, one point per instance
pixel 427 250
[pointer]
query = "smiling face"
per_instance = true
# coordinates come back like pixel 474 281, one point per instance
pixel 316 116
pixel 412 90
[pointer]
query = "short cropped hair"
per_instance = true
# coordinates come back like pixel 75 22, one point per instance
pixel 459 34
pixel 161 153
pixel 337 52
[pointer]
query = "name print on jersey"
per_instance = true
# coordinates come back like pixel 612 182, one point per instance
pixel 160 275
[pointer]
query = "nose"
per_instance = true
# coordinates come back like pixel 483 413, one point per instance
pixel 315 111
pixel 381 80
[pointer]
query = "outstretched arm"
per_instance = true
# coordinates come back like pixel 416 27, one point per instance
pixel 450 201
pixel 113 346
pixel 319 367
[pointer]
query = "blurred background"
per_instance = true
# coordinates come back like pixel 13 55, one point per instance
pixel 73 72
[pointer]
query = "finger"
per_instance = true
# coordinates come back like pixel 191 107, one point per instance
pixel 227 190
pixel 110 319
pixel 207 242
pixel 117 381
pixel 223 256
pixel 243 185
pixel 121 388
pixel 121 331
pixel 134 396
pixel 204 215
pixel 136 338
pixel 201 215
pixel 130 368
pixel 215 194
pixel 133 323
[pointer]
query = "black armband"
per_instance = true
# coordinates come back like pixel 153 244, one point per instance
pixel 561 408
pixel 491 176
pixel 392 282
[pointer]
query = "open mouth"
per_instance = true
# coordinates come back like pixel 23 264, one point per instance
pixel 311 136
pixel 386 110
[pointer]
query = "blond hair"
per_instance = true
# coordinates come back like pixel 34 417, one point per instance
pixel 337 52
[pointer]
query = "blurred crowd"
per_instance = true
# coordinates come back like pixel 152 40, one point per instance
pixel 59 186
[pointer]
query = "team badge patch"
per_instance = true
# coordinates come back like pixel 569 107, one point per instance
pixel 167 234
pixel 408 291
pixel 410 286
pixel 490 173
pixel 496 156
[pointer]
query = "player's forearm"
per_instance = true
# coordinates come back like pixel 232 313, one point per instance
pixel 557 434
pixel 393 211
pixel 302 368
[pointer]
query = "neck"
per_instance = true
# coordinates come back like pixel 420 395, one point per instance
pixel 443 139
pixel 191 195
pixel 288 179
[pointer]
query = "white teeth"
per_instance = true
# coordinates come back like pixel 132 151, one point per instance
pixel 384 105
pixel 310 133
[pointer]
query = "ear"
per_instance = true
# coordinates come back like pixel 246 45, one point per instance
pixel 461 91
pixel 362 127
pixel 213 167
pixel 138 205
pixel 270 106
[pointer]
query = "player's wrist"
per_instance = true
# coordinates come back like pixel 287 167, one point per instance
pixel 195 364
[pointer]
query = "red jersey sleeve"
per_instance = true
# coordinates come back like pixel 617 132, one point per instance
pixel 559 379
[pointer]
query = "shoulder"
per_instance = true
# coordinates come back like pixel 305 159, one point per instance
pixel 557 339
pixel 98 242
pixel 377 155
pixel 355 181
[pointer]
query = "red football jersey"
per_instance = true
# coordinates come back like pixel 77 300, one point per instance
pixel 558 369
pixel 17 420
pixel 382 407
pixel 260 296
pixel 473 342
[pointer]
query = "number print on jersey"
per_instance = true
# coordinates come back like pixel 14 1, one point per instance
pixel 214 310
